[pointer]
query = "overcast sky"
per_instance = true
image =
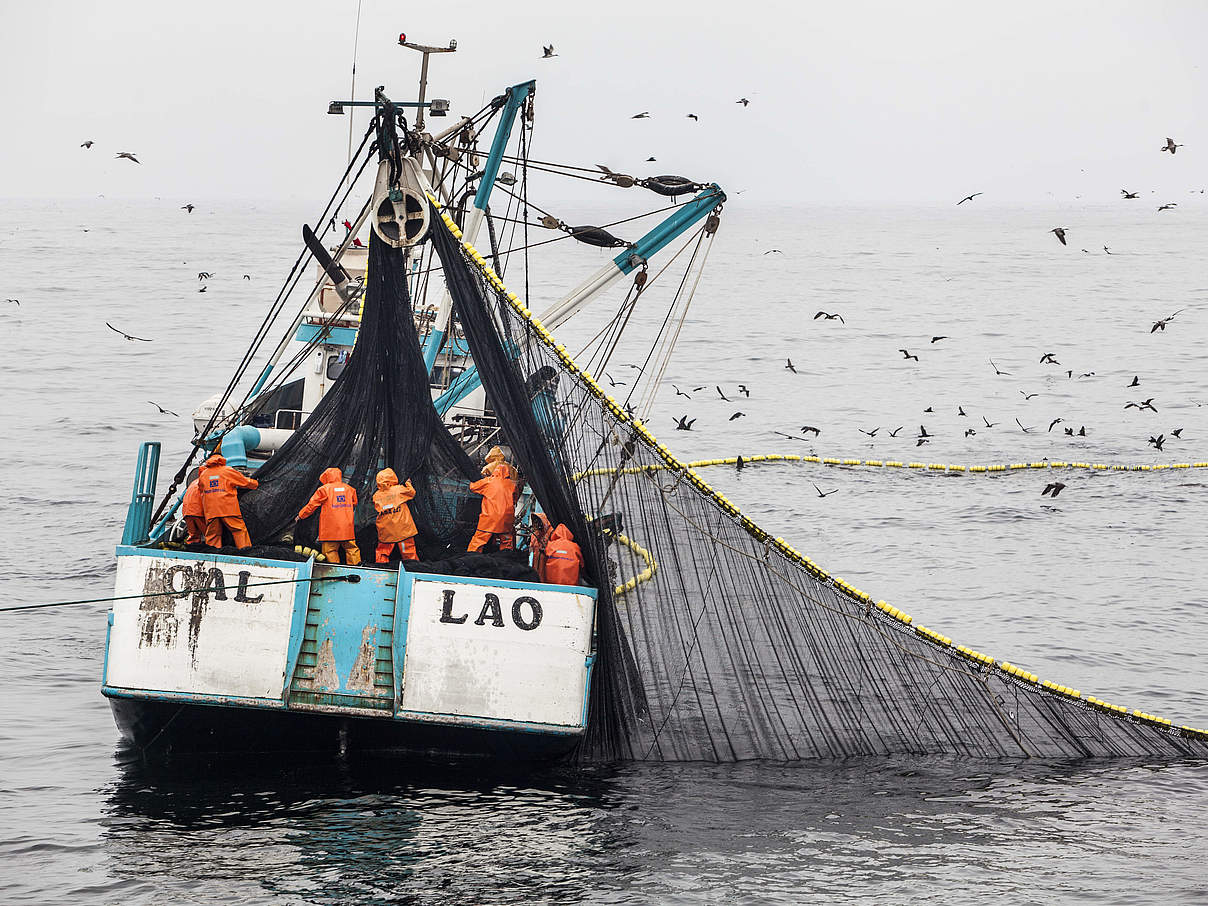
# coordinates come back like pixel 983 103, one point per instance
pixel 851 102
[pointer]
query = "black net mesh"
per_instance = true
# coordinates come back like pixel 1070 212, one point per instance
pixel 718 642
pixel 377 414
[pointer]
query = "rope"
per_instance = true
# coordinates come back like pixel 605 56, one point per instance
pixel 994 469
pixel 177 594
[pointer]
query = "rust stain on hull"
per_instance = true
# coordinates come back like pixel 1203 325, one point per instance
pixel 361 678
pixel 326 676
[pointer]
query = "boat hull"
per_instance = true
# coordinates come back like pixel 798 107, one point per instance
pixel 163 727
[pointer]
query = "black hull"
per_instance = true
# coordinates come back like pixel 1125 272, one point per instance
pixel 161 727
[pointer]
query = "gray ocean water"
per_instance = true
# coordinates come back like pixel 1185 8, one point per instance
pixel 1102 588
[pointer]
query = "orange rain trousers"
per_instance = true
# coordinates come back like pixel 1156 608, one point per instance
pixel 406 549
pixel 195 529
pixel 331 552
pixel 507 540
pixel 234 525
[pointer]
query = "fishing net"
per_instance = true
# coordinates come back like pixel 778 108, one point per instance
pixel 718 642
pixel 378 413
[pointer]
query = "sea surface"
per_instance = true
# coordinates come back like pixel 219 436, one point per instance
pixel 1102 588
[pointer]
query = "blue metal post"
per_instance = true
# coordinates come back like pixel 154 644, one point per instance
pixel 680 220
pixel 142 497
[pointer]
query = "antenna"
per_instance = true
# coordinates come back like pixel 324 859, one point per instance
pixel 352 94
pixel 423 76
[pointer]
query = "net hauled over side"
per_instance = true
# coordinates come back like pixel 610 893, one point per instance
pixel 719 642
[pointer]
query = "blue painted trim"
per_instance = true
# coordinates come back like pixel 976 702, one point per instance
pixel 516 95
pixel 465 384
pixel 677 223
pixel 297 625
pixel 402 621
pixel 236 443
pixel 142 497
pixel 504 583
pixel 162 526
pixel 490 723
pixel 432 347
pixel 333 336
pixel 268 369
pixel 127 550
pixel 105 662
pixel 193 698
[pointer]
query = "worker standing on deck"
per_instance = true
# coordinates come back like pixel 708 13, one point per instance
pixel 395 527
pixel 195 516
pixel 495 522
pixel 336 502
pixel 219 485
pixel 563 558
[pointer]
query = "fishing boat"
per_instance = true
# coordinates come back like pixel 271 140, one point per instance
pixel 694 634
pixel 276 647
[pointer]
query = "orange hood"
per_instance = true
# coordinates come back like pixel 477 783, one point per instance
pixel 386 479
pixel 331 476
pixel 214 461
pixel 561 533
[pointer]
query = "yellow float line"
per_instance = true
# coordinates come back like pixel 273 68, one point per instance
pixel 917 466
pixel 645 575
pixel 790 552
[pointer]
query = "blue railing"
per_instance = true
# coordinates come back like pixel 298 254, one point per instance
pixel 142 498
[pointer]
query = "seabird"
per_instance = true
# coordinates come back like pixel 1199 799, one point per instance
pixel 969 197
pixel 547 52
pixel 126 335
pixel 1170 145
pixel 1059 232
pixel 127 155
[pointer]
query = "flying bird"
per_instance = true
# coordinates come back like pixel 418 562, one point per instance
pixel 829 317
pixel 126 335
pixel 1106 249
pixel 693 116
pixel 1054 422
pixel 87 144
pixel 788 363
pixel 742 388
pixel 247 276
pixel 907 355
pixel 16 302
pixel 894 432
pixel 970 432
pixel 923 431
pixel 1053 489
pixel 1026 430
pixel 645 114
pixel 1161 324
pixel 937 339
pixel 547 52
pixel 805 429
pixel 682 423
pixel 187 207
pixel 204 275
pixel 742 101
pixel 922 440
pixel 679 392
pixel 162 410
pixel 960 410
pixel 1059 232
pixel 969 197
pixel 989 424
pixel 1028 396
pixel 822 493
pixel 773 252
pixel 1157 441
pixel 736 415
pixel 1049 359
pixel 996 370
pixel 1136 381
pixel 1168 206
pixel 1177 432
pixel 203 288
pixel 127 155
pixel 650 160
pixel 1170 145
pixel 1128 194
pixel 872 433
pixel 1144 404
pixel 722 395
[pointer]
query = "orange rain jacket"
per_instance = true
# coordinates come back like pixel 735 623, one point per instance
pixel 338 502
pixel 218 483
pixel 192 502
pixel 498 500
pixel 563 559
pixel 394 522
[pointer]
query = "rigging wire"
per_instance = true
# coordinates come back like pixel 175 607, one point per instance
pixel 352 92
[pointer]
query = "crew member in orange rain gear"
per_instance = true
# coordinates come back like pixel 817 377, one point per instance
pixel 563 559
pixel 195 516
pixel 336 502
pixel 394 523
pixel 220 501
pixel 498 508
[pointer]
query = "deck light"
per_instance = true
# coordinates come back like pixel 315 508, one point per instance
pixel 335 108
